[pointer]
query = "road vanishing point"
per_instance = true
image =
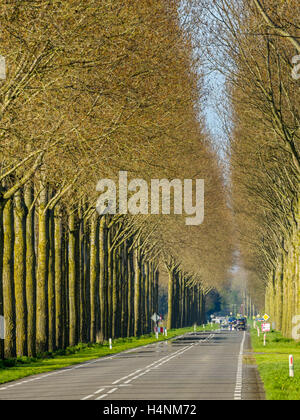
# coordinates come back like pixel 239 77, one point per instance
pixel 213 365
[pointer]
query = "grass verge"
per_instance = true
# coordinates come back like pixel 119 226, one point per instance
pixel 21 367
pixel 273 365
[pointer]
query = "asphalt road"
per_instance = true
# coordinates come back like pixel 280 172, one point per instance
pixel 197 366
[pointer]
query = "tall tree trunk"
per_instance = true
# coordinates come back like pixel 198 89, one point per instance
pixel 1 284
pixel 170 299
pixel 94 274
pixel 42 274
pixel 115 274
pixel 30 271
pixel 19 274
pixel 137 292
pixel 125 281
pixel 130 268
pixel 58 238
pixel 109 284
pixel 73 315
pixel 8 281
pixel 102 277
pixel 51 284
pixel 82 307
pixel 87 280
pixel 156 290
pixel 147 295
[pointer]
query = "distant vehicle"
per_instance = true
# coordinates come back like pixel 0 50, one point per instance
pixel 224 325
pixel 241 324
pixel 232 323
pixel 218 319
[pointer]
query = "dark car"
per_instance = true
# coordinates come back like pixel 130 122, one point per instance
pixel 232 323
pixel 241 324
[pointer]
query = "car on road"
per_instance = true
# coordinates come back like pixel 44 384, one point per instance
pixel 241 324
pixel 232 323
pixel 218 319
pixel 224 325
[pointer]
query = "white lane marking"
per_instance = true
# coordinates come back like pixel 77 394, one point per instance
pixel 150 367
pixel 239 374
pixel 125 377
pixel 133 373
pixel 85 364
pixel 86 398
pixel 112 390
pixel 70 369
pixel 99 390
pixel 102 396
pixel 82 365
pixel 155 367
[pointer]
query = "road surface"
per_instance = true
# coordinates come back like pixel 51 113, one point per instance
pixel 196 366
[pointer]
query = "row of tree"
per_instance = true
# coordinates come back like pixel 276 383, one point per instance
pixel 256 43
pixel 92 88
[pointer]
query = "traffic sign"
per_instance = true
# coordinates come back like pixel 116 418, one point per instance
pixel 266 317
pixel 265 327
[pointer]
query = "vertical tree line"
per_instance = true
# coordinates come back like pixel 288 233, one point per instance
pixel 73 282
pixel 89 287
pixel 257 53
pixel 94 88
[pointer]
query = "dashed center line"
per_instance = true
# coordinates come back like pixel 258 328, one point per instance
pixel 129 378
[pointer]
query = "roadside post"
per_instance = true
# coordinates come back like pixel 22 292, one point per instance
pixel 110 344
pixel 291 366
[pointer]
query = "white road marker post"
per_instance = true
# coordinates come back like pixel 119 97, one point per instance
pixel 264 339
pixel 291 366
pixel 166 332
pixel 195 327
pixel 156 334
pixel 110 344
pixel 258 332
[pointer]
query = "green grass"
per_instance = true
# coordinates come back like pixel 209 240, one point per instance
pixel 14 369
pixel 273 365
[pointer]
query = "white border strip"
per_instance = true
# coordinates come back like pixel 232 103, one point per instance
pixel 239 374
